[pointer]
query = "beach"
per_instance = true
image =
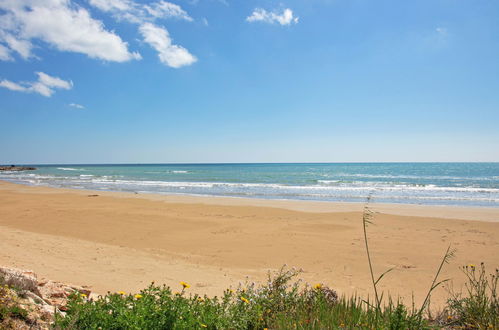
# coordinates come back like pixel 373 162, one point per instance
pixel 114 241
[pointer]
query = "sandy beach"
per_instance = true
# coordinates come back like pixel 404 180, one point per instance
pixel 123 241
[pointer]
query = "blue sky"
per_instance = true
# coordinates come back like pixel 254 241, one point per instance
pixel 111 81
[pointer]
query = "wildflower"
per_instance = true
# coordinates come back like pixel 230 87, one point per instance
pixel 83 295
pixel 245 300
pixel 138 296
pixel 472 266
pixel 203 325
pixel 185 285
pixel 200 299
pixel 122 293
pixel 318 286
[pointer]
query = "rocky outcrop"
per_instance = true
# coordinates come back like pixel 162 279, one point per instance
pixel 41 299
pixel 17 168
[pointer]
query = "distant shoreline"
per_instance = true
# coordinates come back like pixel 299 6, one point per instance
pixel 17 168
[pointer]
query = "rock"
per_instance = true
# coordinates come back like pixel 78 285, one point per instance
pixel 41 299
pixel 17 168
pixel 21 279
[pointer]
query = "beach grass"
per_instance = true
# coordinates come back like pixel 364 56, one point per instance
pixel 281 303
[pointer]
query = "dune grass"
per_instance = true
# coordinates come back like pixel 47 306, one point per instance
pixel 281 303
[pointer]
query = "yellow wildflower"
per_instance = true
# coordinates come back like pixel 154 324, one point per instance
pixel 122 293
pixel 185 285
pixel 138 296
pixel 471 265
pixel 200 299
pixel 245 300
pixel 83 295
pixel 318 286
pixel 203 325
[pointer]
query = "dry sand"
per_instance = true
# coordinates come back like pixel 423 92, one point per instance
pixel 121 241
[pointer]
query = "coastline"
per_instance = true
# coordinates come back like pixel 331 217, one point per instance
pixel 123 241
pixel 472 213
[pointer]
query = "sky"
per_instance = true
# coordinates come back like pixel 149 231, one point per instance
pixel 197 81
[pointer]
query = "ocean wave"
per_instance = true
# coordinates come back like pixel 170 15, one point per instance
pixel 410 177
pixel 318 190
pixel 70 169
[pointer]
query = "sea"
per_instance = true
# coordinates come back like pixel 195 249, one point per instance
pixel 463 184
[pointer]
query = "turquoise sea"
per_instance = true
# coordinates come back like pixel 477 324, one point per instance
pixel 471 184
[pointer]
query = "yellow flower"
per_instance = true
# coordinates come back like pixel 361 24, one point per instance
pixel 185 285
pixel 122 293
pixel 200 299
pixel 83 295
pixel 138 296
pixel 471 265
pixel 203 325
pixel 245 300
pixel 318 286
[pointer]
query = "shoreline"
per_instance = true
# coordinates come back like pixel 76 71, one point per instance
pixel 123 241
pixel 472 213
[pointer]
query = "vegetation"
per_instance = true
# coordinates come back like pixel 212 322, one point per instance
pixel 10 308
pixel 281 303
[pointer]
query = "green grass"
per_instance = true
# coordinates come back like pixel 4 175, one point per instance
pixel 282 303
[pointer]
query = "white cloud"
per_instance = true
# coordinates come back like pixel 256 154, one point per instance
pixel 112 5
pixel 133 12
pixel 158 37
pixel 5 53
pixel 261 15
pixel 65 26
pixel 172 55
pixel 164 9
pixel 76 105
pixel 45 85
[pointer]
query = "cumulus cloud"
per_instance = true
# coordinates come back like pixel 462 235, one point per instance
pixel 261 15
pixel 157 37
pixel 140 13
pixel 76 105
pixel 172 55
pixel 62 25
pixel 45 85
